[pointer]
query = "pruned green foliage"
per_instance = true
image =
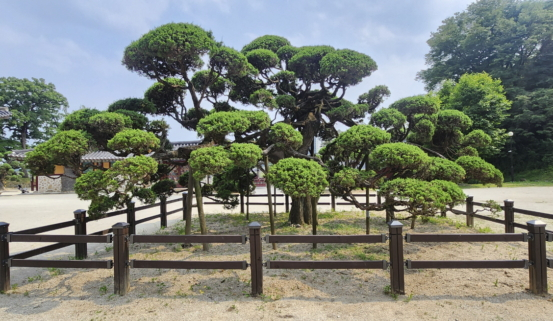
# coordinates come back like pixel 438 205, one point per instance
pixel 133 141
pixel 164 188
pixel 209 161
pixel 374 97
pixel 217 125
pixel 166 95
pixel 79 119
pixel 298 177
pixel 168 50
pixel 346 66
pixel 244 155
pixel 65 148
pixel 263 98
pixel 230 63
pixel 285 136
pixel 480 170
pixel 138 105
pixel 138 121
pixel 398 158
pixel 262 59
pixel 444 169
pixel 104 126
pixel 421 104
pixel 306 64
pixel 118 185
pixel 269 42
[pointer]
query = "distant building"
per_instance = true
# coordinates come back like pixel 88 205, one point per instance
pixel 5 113
pixel 63 178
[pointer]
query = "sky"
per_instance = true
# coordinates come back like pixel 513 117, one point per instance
pixel 78 45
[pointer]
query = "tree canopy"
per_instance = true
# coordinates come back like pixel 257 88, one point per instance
pixel 35 105
pixel 510 40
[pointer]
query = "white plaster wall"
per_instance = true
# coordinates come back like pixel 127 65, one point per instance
pixel 49 185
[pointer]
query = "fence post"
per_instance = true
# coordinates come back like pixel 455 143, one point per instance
pixel 396 258
pixel 4 255
pixel 470 211
pixel 81 249
pixel 184 196
pixel 509 216
pixel 378 197
pixel 121 258
pixel 163 210
pixel 256 263
pixel 537 257
pixel 131 217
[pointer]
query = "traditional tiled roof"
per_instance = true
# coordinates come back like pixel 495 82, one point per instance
pixel 100 156
pixel 5 113
pixel 19 154
pixel 177 145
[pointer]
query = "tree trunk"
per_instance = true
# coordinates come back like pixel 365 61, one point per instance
pixel 189 197
pixel 413 220
pixel 201 215
pixel 296 211
pixel 271 213
pixel 315 218
pixel 389 206
pixel 242 210
pixel 307 210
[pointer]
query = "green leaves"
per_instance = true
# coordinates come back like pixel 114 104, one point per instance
pixel 480 170
pixel 168 50
pixel 35 105
pixel 209 161
pixel 262 59
pixel 398 157
pixel 65 148
pixel 285 136
pixel 137 142
pixel 347 66
pixel 217 125
pixel 298 177
pixel 244 155
pixel 268 42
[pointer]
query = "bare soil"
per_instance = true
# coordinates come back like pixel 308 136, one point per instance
pixel 464 294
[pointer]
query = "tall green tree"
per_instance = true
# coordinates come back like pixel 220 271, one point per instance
pixel 36 108
pixel 510 40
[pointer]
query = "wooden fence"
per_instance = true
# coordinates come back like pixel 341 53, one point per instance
pixel 537 262
pixel 124 234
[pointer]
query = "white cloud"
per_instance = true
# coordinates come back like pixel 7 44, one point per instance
pixel 134 17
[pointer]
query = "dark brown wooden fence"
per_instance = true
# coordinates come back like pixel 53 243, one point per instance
pixel 537 262
pixel 125 233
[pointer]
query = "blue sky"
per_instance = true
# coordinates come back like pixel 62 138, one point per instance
pixel 78 44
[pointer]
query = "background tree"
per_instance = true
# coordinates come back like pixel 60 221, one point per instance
pixel 511 41
pixel 36 108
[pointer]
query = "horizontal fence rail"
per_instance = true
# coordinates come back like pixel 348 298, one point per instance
pixel 184 265
pixel 326 265
pixel 59 238
pixel 188 239
pixel 72 264
pixel 325 238
pixel 511 264
pixel 521 237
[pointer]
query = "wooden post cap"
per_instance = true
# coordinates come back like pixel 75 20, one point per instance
pixel 254 225
pixel 81 211
pixel 4 224
pixel 120 225
pixel 536 223
pixel 395 224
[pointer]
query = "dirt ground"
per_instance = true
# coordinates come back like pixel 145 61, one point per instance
pixel 160 294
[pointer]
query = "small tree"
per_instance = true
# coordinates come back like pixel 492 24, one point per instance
pixel 299 178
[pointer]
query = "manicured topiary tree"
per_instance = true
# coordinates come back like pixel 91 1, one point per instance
pixel 299 178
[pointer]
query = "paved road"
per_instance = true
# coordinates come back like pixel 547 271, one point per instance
pixel 24 211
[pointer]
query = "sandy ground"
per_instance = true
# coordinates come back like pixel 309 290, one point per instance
pixel 71 294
